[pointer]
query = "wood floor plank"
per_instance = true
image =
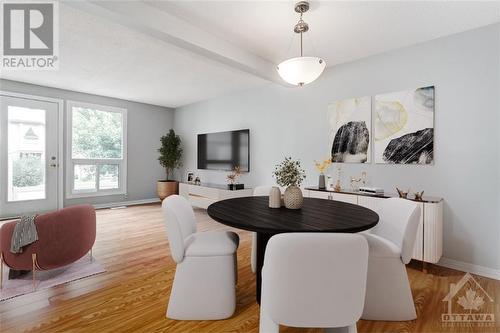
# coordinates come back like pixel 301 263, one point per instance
pixel 132 295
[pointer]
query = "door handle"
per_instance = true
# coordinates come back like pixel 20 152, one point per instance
pixel 53 164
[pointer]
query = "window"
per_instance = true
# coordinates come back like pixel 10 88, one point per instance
pixel 26 174
pixel 97 150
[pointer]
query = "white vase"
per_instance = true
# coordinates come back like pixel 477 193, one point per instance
pixel 275 197
pixel 293 197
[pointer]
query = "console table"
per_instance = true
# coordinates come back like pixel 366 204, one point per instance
pixel 429 242
pixel 204 195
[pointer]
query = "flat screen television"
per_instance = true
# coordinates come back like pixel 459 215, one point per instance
pixel 224 150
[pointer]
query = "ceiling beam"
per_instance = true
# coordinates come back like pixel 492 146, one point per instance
pixel 153 20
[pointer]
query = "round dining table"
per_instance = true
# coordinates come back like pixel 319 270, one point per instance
pixel 316 215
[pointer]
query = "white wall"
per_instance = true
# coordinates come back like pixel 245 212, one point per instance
pixel 293 121
pixel 146 124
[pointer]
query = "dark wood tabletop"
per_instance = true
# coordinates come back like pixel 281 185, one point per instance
pixel 316 215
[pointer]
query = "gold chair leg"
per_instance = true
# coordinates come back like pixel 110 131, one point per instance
pixel 1 270
pixel 33 259
pixel 91 257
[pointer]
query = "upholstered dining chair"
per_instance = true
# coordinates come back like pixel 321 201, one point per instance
pixel 314 280
pixel 205 276
pixel 388 293
pixel 258 191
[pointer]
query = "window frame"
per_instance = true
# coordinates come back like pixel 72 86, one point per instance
pixel 71 162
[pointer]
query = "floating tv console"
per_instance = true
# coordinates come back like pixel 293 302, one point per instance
pixel 204 195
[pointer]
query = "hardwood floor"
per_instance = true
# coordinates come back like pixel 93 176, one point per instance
pixel 132 295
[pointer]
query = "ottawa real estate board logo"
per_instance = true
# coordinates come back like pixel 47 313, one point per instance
pixel 468 305
pixel 30 38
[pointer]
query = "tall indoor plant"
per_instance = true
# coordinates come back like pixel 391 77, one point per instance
pixel 170 158
pixel 290 173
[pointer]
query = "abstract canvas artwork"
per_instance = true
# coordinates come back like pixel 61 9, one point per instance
pixel 350 130
pixel 403 126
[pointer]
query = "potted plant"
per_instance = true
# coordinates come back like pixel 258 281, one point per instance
pixel 170 158
pixel 289 173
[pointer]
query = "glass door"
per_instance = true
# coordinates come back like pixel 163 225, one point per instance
pixel 29 160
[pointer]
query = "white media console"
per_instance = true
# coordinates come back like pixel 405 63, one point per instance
pixel 429 242
pixel 202 196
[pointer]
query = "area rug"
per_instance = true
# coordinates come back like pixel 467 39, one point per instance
pixel 45 279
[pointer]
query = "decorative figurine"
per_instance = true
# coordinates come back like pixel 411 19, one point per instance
pixel 355 183
pixel 419 195
pixel 402 194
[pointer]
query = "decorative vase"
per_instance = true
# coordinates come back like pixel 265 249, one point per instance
pixel 321 184
pixel 293 197
pixel 275 197
pixel 355 184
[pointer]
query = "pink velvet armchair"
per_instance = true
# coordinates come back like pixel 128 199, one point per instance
pixel 64 237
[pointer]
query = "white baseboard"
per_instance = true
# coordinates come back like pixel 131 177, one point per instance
pixel 471 268
pixel 126 203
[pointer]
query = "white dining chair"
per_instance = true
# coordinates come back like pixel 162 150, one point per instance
pixel 205 276
pixel 388 292
pixel 258 191
pixel 314 280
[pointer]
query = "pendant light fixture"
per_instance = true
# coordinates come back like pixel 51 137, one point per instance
pixel 301 70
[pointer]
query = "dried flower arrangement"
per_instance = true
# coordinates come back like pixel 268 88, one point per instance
pixel 289 173
pixel 322 166
pixel 232 178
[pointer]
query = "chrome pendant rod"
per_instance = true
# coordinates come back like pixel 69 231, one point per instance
pixel 301 45
pixel 301 26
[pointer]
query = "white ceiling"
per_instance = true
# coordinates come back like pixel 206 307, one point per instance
pixel 101 57
pixel 174 53
pixel 340 31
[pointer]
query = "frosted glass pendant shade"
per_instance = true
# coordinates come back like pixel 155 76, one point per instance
pixel 301 70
